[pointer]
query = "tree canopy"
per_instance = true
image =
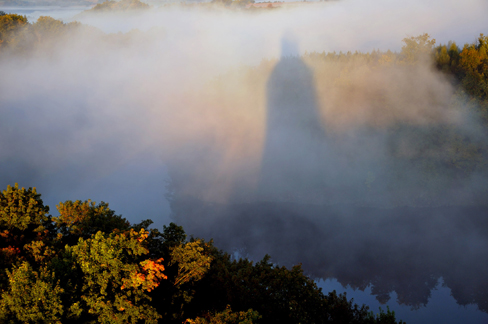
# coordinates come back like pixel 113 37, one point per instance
pixel 90 265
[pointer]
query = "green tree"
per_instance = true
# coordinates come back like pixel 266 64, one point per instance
pixel 191 261
pixel 32 297
pixel 83 219
pixel 23 220
pixel 114 278
pixel 187 264
pixel 22 210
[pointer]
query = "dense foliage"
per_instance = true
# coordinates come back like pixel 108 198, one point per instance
pixel 466 67
pixel 89 265
pixel 18 36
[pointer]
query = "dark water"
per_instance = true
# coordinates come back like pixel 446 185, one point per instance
pixel 423 262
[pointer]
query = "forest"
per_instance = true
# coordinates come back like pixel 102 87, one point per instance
pixel 89 264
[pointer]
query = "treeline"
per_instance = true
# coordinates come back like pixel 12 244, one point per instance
pixel 444 152
pixel 90 265
pixel 425 108
pixel 132 5
pixel 42 3
pixel 122 5
pixel 467 67
pixel 20 37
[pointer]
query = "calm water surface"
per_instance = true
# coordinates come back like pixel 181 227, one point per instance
pixel 427 264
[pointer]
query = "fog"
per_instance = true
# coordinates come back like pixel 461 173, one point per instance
pixel 201 106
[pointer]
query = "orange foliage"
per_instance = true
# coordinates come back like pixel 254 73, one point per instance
pixel 142 236
pixel 10 251
pixel 4 234
pixel 149 278
pixel 470 59
pixel 154 272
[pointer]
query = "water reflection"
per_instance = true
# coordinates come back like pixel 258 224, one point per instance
pixel 403 250
pixel 442 307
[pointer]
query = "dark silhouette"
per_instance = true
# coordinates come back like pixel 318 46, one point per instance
pixel 292 155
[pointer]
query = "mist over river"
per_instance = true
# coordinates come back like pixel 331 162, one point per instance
pixel 270 133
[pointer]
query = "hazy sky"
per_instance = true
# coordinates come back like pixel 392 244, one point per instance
pixel 90 121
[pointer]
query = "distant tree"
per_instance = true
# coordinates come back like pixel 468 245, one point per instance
pixel 222 2
pixel 443 59
pixel 48 30
pixel 11 26
pixel 417 49
pixel 474 62
pixel 122 5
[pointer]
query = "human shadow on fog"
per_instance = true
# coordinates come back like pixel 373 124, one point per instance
pixel 293 149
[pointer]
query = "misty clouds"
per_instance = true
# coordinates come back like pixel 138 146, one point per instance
pixel 87 107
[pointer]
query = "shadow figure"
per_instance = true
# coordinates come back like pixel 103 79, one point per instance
pixel 403 249
pixel 292 154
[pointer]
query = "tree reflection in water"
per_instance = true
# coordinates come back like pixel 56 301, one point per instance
pixel 403 250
